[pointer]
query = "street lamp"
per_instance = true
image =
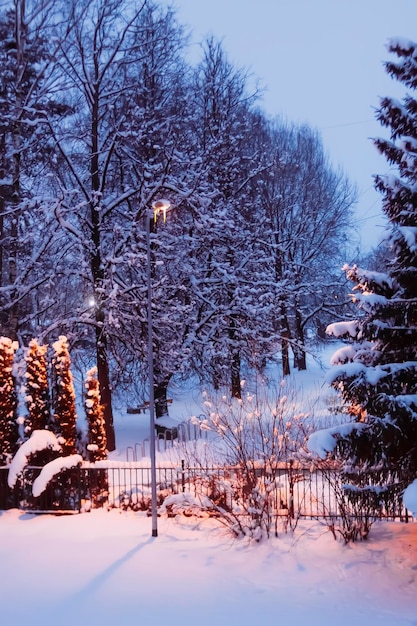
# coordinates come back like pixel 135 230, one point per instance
pixel 159 206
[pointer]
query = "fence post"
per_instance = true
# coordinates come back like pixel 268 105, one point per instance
pixel 79 487
pixel 291 480
pixel 183 475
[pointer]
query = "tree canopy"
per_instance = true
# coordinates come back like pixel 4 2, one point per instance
pixel 102 115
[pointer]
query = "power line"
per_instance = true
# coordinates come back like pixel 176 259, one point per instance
pixel 347 124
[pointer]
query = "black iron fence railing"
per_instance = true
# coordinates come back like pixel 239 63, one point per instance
pixel 291 491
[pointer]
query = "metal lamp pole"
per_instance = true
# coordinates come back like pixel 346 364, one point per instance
pixel 158 207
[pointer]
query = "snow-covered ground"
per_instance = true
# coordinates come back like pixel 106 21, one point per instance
pixel 104 567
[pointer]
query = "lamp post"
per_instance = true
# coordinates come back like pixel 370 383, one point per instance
pixel 159 206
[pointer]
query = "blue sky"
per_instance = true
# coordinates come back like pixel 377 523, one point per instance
pixel 321 62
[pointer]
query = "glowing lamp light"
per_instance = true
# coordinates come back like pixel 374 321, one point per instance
pixel 161 206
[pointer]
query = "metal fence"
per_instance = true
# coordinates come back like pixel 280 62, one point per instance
pixel 184 432
pixel 292 491
pixel 8 498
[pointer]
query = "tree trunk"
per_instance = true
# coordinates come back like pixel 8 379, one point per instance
pixel 98 280
pixel 236 387
pixel 3 315
pixel 235 361
pixel 299 347
pixel 20 38
pixel 161 400
pixel 285 337
pixel 234 349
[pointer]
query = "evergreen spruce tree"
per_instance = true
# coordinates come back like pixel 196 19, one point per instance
pixel 37 387
pixel 97 443
pixel 95 418
pixel 9 433
pixel 64 396
pixel 377 373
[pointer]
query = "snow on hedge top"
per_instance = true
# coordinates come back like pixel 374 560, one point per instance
pixel 60 344
pixel 39 440
pixel 8 346
pixel 53 468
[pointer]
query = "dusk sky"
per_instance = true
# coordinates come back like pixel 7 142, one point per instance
pixel 320 62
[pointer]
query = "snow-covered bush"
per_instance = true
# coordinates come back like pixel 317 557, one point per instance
pixel 257 436
pixel 65 413
pixel 95 418
pixel 39 441
pixel 36 388
pixel 41 448
pixel 50 444
pixel 52 469
pixel 96 446
pixel 186 504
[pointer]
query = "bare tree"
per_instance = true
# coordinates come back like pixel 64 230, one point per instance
pixel 94 60
pixel 304 221
pixel 28 95
pixel 223 126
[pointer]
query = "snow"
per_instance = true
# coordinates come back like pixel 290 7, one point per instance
pixel 344 354
pixel 350 352
pixel 369 300
pixel 8 346
pixel 103 567
pixel 53 468
pixel 349 369
pixel 339 329
pixel 410 497
pixel 321 442
pixel 408 399
pixel 401 42
pixel 409 234
pixel 379 278
pixel 39 440
pixel 373 375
